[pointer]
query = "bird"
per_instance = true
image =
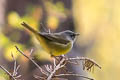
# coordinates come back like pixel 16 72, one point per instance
pixel 56 44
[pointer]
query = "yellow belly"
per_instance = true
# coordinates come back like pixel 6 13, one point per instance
pixel 54 48
pixel 57 50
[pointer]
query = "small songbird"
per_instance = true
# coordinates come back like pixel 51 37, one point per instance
pixel 55 44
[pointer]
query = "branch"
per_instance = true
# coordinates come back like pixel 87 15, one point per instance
pixel 76 75
pixel 44 72
pixel 14 75
pixel 57 67
pixel 51 70
pixel 86 60
pixel 11 76
pixel 15 69
pixel 61 64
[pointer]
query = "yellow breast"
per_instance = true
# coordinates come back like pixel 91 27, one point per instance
pixel 58 50
pixel 54 48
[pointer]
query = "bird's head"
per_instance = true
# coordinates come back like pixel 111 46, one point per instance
pixel 70 35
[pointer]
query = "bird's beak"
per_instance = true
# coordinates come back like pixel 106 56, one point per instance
pixel 77 34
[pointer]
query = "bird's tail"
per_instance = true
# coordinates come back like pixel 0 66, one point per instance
pixel 29 28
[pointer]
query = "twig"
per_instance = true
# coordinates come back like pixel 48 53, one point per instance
pixel 88 64
pixel 84 58
pixel 39 77
pixel 44 72
pixel 15 69
pixel 58 66
pixel 15 63
pixel 11 76
pixel 14 75
pixel 51 70
pixel 31 51
pixel 76 75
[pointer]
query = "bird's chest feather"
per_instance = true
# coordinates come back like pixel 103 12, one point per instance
pixel 55 49
pixel 59 49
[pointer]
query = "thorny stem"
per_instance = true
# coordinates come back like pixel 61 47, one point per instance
pixel 44 72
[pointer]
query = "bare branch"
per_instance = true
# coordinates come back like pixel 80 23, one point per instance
pixel 15 63
pixel 14 75
pixel 11 76
pixel 39 77
pixel 31 51
pixel 15 69
pixel 51 70
pixel 44 72
pixel 76 75
pixel 58 66
pixel 85 59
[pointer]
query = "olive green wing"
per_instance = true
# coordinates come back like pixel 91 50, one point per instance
pixel 55 38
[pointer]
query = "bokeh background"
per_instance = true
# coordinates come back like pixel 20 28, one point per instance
pixel 97 21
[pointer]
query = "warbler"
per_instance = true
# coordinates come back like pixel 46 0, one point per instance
pixel 55 44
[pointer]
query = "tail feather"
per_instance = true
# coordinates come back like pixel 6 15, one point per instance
pixel 29 28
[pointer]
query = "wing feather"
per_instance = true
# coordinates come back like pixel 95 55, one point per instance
pixel 55 38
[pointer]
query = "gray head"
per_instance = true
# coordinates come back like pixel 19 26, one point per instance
pixel 70 35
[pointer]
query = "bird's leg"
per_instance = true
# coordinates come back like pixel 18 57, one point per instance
pixel 61 57
pixel 58 58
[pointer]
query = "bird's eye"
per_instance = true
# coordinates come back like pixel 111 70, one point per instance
pixel 72 36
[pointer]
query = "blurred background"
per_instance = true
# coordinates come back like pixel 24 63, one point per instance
pixel 97 21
